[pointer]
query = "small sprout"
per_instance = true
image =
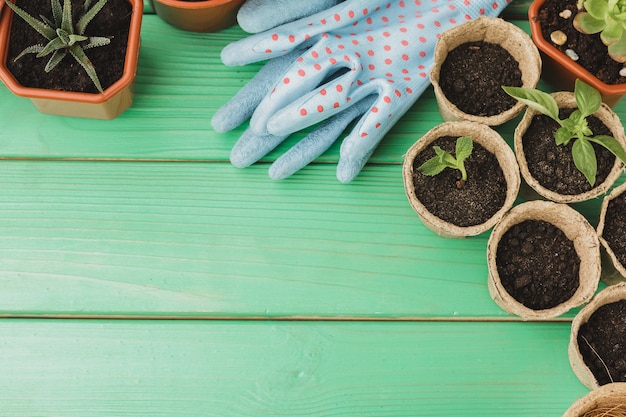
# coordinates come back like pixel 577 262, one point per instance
pixel 575 127
pixel 443 160
pixel 558 37
pixel 64 37
pixel 607 17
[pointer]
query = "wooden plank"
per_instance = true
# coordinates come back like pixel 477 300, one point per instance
pixel 101 368
pixel 181 83
pixel 86 238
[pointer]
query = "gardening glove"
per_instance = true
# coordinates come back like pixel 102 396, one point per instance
pixel 373 50
pixel 256 16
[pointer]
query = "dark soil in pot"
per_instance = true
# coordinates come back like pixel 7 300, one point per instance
pixel 472 77
pixel 592 53
pixel 615 227
pixel 113 20
pixel 552 165
pixel 537 264
pixel 602 342
pixel 473 203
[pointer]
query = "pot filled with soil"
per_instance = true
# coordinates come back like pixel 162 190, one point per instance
pixel 543 260
pixel 198 15
pixel 574 164
pixel 597 346
pixel 473 191
pixel 611 231
pixel 606 401
pixel 87 71
pixel 569 54
pixel 473 60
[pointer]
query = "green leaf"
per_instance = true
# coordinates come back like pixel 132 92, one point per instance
pixel 66 22
pixel 56 57
pixel 611 144
pixel 81 26
pixel 535 99
pixel 585 159
pixel 78 54
pixel 587 98
pixel 431 167
pixel 586 23
pixel 45 30
pixel 464 146
pixel 612 32
pixel 617 51
pixel 562 136
pixel 597 9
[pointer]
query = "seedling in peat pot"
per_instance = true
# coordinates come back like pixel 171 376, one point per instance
pixel 575 127
pixel 443 160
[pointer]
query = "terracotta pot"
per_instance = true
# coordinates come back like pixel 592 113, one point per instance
pixel 492 142
pixel 566 100
pixel 107 105
pixel 576 228
pixel 613 271
pixel 495 31
pixel 608 295
pixel 198 16
pixel 600 401
pixel 561 71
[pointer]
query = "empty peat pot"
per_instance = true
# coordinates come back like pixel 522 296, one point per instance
pixel 597 345
pixel 479 40
pixel 543 259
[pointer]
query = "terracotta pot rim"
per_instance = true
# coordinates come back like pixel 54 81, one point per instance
pixel 181 4
pixel 547 48
pixel 128 75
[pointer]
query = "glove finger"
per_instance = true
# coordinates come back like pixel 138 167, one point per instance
pixel 317 142
pixel 251 147
pixel 359 145
pixel 285 38
pixel 241 107
pixel 256 16
pixel 306 74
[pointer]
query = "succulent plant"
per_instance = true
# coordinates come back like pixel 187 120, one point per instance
pixel 64 37
pixel 607 17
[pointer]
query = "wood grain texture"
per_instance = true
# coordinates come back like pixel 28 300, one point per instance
pixel 84 368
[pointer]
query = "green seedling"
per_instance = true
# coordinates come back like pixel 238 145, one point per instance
pixel 575 127
pixel 607 17
pixel 443 160
pixel 63 36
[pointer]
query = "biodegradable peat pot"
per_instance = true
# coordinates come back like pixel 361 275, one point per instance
pixel 606 401
pixel 543 260
pixel 547 162
pixel 611 231
pixel 107 105
pixel 521 62
pixel 597 345
pixel 495 172
pixel 559 69
pixel 198 16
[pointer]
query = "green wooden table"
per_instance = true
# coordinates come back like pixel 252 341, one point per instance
pixel 141 274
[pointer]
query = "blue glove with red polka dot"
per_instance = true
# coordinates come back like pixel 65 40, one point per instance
pixel 365 59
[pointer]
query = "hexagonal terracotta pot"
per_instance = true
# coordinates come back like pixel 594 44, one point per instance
pixel 107 105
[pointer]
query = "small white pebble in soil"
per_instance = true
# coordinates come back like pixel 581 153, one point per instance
pixel 571 54
pixel 558 37
pixel 566 14
pixel 622 72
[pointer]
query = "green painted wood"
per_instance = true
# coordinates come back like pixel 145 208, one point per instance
pixel 101 368
pixel 181 83
pixel 86 238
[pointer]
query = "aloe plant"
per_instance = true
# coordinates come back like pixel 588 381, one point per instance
pixel 443 159
pixel 63 36
pixel 607 17
pixel 575 127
